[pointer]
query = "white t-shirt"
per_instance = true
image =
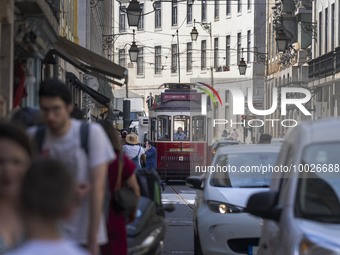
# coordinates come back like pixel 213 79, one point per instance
pixel 58 247
pixel 131 151
pixel 68 150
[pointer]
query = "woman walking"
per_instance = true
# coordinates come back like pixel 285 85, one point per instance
pixel 116 222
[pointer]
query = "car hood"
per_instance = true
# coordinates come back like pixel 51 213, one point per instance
pixel 234 196
pixel 321 233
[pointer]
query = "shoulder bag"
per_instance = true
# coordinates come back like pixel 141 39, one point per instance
pixel 124 197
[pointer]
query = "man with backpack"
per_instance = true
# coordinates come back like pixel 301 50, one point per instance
pixel 86 150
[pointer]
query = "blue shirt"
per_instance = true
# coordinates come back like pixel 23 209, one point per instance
pixel 151 158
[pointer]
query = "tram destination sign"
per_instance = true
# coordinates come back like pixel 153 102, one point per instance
pixel 181 97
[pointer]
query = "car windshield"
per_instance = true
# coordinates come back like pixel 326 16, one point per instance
pixel 318 191
pixel 243 170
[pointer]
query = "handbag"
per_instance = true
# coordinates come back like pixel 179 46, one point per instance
pixel 124 197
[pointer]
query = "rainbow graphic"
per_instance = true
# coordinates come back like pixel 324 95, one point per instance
pixel 209 90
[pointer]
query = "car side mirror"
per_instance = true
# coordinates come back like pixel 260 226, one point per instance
pixel 195 182
pixel 263 205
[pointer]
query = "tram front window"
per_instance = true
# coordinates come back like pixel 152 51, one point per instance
pixel 163 128
pixel 181 128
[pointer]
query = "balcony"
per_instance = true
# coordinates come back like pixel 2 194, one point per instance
pixel 337 59
pixel 325 65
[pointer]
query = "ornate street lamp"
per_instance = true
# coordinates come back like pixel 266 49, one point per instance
pixel 134 12
pixel 281 40
pixel 194 33
pixel 242 65
pixel 133 51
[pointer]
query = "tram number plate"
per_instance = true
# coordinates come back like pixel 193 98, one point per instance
pixel 180 158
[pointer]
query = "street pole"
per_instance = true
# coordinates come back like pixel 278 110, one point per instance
pixel 178 60
pixel 211 56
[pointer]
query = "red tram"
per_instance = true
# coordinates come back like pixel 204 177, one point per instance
pixel 181 133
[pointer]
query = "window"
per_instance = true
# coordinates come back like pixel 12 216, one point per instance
pixel 174 13
pixel 122 57
pixel 181 127
pixel 249 4
pixel 203 55
pixel 189 57
pixel 189 11
pixel 248 46
pixel 174 58
pixel 216 62
pixel 140 26
pixel 204 10
pixel 320 33
pixel 227 51
pixel 158 14
pixel 140 61
pixel 217 9
pixel 153 128
pixel 239 6
pixel 238 47
pixel 228 7
pixel 164 128
pixel 122 19
pixel 310 202
pixel 198 128
pixel 326 30
pixel 332 28
pixel 158 60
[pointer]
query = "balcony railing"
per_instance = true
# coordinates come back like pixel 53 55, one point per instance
pixel 337 59
pixel 325 65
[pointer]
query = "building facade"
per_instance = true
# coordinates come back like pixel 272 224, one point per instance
pixel 63 39
pixel 311 59
pixel 168 53
pixel 324 68
pixel 287 68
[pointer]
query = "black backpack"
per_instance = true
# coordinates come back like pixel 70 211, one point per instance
pixel 149 183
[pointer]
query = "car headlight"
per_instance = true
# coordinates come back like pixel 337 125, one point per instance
pixel 308 247
pixel 223 208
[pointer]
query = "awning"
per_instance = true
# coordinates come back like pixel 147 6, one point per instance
pixel 89 62
pixel 121 93
pixel 72 79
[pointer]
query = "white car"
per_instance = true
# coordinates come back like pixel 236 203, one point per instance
pixel 301 211
pixel 220 224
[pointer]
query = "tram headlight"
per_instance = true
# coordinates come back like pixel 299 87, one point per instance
pixel 223 208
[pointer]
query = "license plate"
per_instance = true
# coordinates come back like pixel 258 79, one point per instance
pixel 252 250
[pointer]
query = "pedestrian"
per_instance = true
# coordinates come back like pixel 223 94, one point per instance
pixel 15 158
pixel 27 117
pixel 116 220
pixel 265 138
pixel 86 151
pixel 234 134
pixel 133 150
pixel 225 134
pixel 151 156
pixel 123 133
pixel 48 195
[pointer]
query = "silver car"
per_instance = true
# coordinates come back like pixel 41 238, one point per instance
pixel 220 224
pixel 302 207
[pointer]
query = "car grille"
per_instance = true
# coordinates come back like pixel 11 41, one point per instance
pixel 240 245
